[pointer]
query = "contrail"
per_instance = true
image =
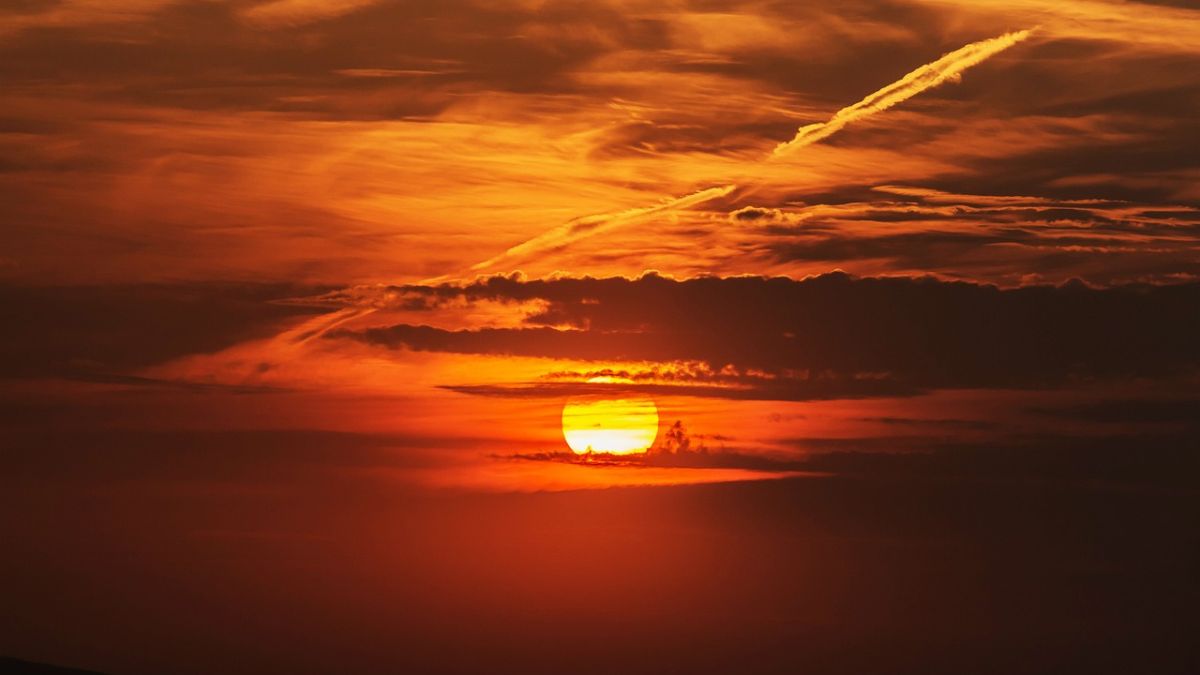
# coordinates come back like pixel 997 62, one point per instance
pixel 949 67
pixel 590 225
pixel 928 76
pixel 320 325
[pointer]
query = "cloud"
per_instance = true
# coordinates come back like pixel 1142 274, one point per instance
pixel 76 13
pixel 784 388
pixel 759 214
pixel 1162 460
pixel 344 158
pixel 1004 239
pixel 92 332
pixel 1153 410
pixel 1029 251
pixel 696 379
pixel 834 334
pixel 1158 25
pixel 948 68
pixel 592 225
pixel 299 12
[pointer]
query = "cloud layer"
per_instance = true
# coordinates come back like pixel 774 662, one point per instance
pixel 351 142
pixel 834 334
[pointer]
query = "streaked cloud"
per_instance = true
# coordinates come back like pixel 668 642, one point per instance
pixel 1137 24
pixel 77 13
pixel 593 225
pixel 299 12
pixel 949 67
pixel 818 337
pixel 420 139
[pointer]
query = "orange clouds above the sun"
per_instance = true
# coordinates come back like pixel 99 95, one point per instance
pixel 295 139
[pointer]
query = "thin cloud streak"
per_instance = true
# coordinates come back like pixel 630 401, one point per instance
pixel 299 12
pixel 928 76
pixel 591 225
pixel 949 67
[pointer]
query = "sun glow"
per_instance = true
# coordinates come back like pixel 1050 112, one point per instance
pixel 614 426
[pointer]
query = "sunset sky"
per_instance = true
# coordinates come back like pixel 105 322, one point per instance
pixel 879 318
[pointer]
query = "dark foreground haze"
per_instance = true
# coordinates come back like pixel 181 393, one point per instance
pixel 889 569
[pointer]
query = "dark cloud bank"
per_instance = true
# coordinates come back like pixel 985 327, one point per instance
pixel 103 332
pixel 834 335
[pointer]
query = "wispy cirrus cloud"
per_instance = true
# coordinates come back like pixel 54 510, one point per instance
pixel 948 68
pixel 299 12
pixel 592 225
pixel 431 136
pixel 1150 25
pixel 76 13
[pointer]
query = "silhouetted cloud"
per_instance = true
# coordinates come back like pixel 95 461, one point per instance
pixel 1148 460
pixel 757 214
pixel 1162 459
pixel 835 332
pixel 1149 410
pixel 92 332
pixel 784 388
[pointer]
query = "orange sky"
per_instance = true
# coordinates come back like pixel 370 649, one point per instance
pixel 295 293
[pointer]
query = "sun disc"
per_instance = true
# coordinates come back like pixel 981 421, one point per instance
pixel 622 426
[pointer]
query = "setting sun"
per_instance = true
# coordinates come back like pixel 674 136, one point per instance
pixel 613 426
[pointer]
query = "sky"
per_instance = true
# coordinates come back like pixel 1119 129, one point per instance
pixel 298 291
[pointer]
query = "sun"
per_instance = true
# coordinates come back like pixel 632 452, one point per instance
pixel 617 426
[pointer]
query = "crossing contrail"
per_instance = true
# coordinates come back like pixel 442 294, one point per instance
pixel 949 67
